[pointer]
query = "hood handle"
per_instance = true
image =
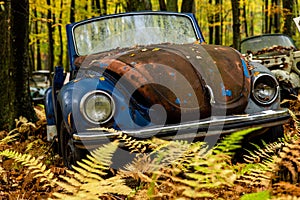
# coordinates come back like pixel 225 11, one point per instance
pixel 211 95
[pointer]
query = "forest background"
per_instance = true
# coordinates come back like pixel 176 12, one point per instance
pixel 33 35
pixel 215 17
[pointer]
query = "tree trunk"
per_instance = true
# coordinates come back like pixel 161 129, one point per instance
pixel 276 17
pixel 218 23
pixel 104 3
pixel 20 67
pixel 245 19
pixel 251 22
pixel 288 12
pixel 50 38
pixel 271 18
pixel 38 45
pixel 98 7
pixel 187 6
pixel 6 118
pixel 162 5
pixel 210 25
pixel 172 5
pixel 133 5
pixel 61 45
pixel 72 11
pixel 266 11
pixel 236 23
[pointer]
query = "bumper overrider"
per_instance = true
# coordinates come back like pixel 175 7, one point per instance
pixel 207 127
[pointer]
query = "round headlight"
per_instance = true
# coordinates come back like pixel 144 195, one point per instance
pixel 265 89
pixel 97 107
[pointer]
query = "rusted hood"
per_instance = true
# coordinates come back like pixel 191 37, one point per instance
pixel 184 79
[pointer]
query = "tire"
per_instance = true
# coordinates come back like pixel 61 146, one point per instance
pixel 267 136
pixel 272 135
pixel 70 154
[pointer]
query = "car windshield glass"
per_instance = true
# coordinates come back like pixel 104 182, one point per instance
pixel 263 42
pixel 127 31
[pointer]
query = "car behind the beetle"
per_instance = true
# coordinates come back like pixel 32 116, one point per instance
pixel 280 55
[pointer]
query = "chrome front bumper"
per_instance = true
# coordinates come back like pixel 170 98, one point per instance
pixel 206 127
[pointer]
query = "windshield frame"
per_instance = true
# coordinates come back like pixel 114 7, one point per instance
pixel 194 25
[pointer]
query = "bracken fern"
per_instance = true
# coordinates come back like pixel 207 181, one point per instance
pixel 186 170
pixel 34 165
pixel 86 181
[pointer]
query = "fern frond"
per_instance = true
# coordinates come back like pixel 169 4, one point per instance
pixel 295 120
pixel 263 195
pixel 102 156
pixel 286 188
pixel 9 138
pixel 232 142
pixel 34 144
pixel 136 146
pixel 139 168
pixel 275 162
pixel 170 152
pixel 33 164
pixel 93 188
pixel 195 194
pixel 85 181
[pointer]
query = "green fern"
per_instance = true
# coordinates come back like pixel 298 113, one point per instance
pixel 198 169
pixel 263 195
pixel 232 142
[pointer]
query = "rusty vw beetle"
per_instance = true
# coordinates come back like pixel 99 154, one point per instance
pixel 150 74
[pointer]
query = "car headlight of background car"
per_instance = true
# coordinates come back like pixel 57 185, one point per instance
pixel 97 107
pixel 265 89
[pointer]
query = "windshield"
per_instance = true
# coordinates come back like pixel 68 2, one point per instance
pixel 128 31
pixel 261 43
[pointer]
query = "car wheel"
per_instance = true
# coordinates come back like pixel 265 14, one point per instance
pixel 268 136
pixel 273 134
pixel 69 152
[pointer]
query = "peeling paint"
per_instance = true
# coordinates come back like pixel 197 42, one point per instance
pixel 102 78
pixel 227 93
pixel 256 73
pixel 171 73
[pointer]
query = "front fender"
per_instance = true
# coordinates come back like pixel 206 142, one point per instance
pixel 253 106
pixel 49 108
pixel 50 115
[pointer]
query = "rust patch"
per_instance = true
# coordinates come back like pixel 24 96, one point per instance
pixel 175 76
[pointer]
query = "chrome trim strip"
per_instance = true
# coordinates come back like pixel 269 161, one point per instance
pixel 267 118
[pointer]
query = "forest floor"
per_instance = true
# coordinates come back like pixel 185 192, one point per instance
pixel 16 181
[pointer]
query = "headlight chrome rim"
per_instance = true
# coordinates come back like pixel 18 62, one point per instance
pixel 275 86
pixel 90 95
